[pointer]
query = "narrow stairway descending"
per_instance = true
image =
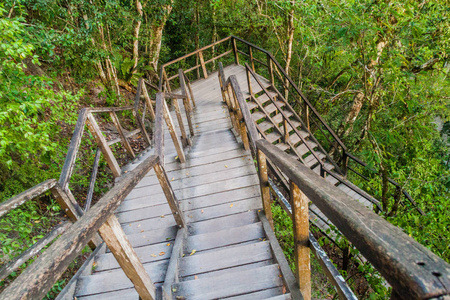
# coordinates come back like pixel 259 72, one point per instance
pixel 229 250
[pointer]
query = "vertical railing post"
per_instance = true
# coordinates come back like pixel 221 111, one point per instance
pixel 234 118
pixel 251 58
pixel 184 137
pixel 124 139
pixel 264 184
pixel 166 79
pixel 186 101
pixel 149 102
pixel 103 145
pixel 300 218
pixel 235 51
pixel 202 63
pixel 286 130
pixel 173 132
pixel 249 83
pixel 139 121
pixel 270 64
pixel 344 163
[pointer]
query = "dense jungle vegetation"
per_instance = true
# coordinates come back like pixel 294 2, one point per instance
pixel 378 71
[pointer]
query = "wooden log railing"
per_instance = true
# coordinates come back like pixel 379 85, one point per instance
pixel 39 277
pixel 108 228
pixel 413 271
pixel 279 78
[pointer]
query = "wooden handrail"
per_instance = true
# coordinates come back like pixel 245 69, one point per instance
pixel 412 270
pixel 40 276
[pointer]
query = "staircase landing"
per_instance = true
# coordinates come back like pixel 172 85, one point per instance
pixel 226 253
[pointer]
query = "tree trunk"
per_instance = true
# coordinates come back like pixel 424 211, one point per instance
pixel 290 36
pixel 347 125
pixel 136 36
pixel 156 37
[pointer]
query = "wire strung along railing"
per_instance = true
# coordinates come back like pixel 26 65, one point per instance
pixel 236 50
pixel 412 270
pixel 86 226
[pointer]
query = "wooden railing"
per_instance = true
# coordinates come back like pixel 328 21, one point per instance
pixel 413 271
pixel 37 279
pixel 265 63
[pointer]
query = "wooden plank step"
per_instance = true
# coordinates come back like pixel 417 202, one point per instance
pixel 151 237
pixel 283 146
pixel 259 294
pixel 233 236
pixel 222 210
pixel 117 280
pixel 228 285
pixel 272 137
pixel 258 116
pixel 127 294
pixel 146 254
pixel 270 108
pixel 311 161
pixel 264 97
pixel 280 297
pixel 278 118
pixel 251 105
pixel 264 126
pixel 218 224
pixel 303 149
pixel 225 258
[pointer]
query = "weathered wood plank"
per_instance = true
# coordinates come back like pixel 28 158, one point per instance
pixel 228 285
pixel 236 220
pixel 32 284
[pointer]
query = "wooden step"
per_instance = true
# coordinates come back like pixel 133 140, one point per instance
pixel 264 294
pixel 311 161
pixel 273 136
pixel 264 126
pixel 283 146
pixel 279 117
pixel 264 98
pixel 251 105
pixel 232 221
pixel 302 149
pixel 270 108
pixel 233 236
pixel 230 284
pixel 219 259
pixel 257 115
pixel 280 297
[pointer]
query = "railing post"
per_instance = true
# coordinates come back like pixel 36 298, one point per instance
pixel 184 137
pixel 202 63
pixel 173 132
pixel 235 51
pixel 286 131
pixel 166 79
pixel 234 117
pixel 344 162
pixel 244 136
pixel 117 241
pixel 264 184
pixel 186 101
pixel 300 218
pixel 103 145
pixel 124 139
pixel 170 195
pixel 269 63
pixel 139 121
pixel 149 102
pixel 251 57
pixel 249 83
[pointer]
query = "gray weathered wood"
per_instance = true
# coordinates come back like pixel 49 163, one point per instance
pixel 23 197
pixel 173 267
pixel 123 138
pixel 32 284
pixel 392 252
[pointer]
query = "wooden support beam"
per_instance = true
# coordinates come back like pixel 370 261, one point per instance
pixel 117 241
pixel 286 131
pixel 300 214
pixel 124 139
pixel 173 132
pixel 269 63
pixel 251 58
pixel 202 62
pixel 170 195
pixel 264 184
pixel 159 127
pixel 103 145
pixel 23 197
pixel 244 136
pixel 149 102
pixel 235 51
pixel 249 83
pixel 184 137
pixel 186 102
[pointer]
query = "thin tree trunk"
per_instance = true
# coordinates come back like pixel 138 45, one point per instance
pixel 290 36
pixel 136 36
pixel 347 125
pixel 156 38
